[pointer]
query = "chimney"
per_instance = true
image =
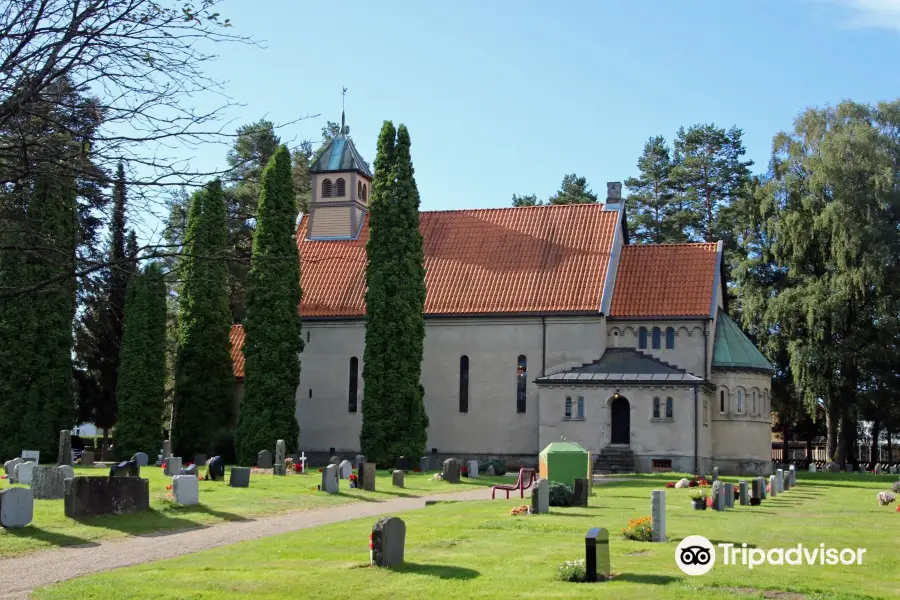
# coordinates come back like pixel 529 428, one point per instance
pixel 613 192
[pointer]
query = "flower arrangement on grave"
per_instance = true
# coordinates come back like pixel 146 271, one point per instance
pixel 574 571
pixel 737 493
pixel 169 487
pixel 298 467
pixel 670 484
pixel 699 499
pixel 417 470
pixel 898 508
pixel 354 480
pixel 320 469
pixel 520 510
pixel 464 471
pixel 289 465
pixel 438 476
pixel 692 483
pixel 163 466
pixel 885 498
pixel 709 502
pixel 639 530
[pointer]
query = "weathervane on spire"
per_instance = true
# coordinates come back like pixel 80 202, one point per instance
pixel 343 121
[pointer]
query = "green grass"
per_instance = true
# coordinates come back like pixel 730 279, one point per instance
pixel 266 495
pixel 476 550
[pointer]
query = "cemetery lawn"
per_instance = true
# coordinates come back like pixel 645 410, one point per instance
pixel 267 495
pixel 477 550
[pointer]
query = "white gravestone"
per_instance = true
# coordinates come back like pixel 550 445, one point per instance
pixel 473 469
pixel 23 472
pixel 345 469
pixel 32 455
pixel 186 489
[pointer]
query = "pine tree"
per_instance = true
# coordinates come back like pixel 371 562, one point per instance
pixel 655 216
pixel 394 422
pixel 573 190
pixel 272 325
pixel 142 367
pixel 204 382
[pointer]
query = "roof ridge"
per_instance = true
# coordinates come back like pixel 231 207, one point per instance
pixel 682 244
pixel 593 205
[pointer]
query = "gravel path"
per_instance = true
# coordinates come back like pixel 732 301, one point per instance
pixel 19 576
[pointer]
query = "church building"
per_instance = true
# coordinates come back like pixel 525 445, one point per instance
pixel 542 323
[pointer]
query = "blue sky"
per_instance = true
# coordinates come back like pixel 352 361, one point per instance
pixel 505 97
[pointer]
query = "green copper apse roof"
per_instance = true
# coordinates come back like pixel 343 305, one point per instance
pixel 340 155
pixel 733 350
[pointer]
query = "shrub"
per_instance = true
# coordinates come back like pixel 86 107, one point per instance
pixel 499 467
pixel 639 530
pixel 572 570
pixel 561 494
pixel 896 487
pixel 223 445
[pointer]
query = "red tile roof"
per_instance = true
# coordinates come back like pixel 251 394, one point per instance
pixel 237 344
pixel 663 280
pixel 509 260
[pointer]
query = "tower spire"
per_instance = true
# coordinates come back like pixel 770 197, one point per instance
pixel 343 120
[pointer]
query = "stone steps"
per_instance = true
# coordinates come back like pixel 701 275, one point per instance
pixel 614 461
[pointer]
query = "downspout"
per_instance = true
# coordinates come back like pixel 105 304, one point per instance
pixel 706 350
pixel 543 346
pixel 696 434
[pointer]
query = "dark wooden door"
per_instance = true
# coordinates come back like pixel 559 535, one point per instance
pixel 621 421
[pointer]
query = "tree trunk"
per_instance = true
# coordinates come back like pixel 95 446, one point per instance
pixel 809 455
pixel 831 425
pixel 785 440
pixel 873 452
pixel 890 449
pixel 104 446
pixel 847 438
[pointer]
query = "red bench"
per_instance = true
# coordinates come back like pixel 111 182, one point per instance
pixel 521 484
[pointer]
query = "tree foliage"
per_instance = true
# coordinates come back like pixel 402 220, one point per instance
pixel 573 190
pixel 272 325
pixel 142 367
pixel 656 213
pixel 394 422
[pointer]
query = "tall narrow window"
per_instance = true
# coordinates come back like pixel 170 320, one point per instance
pixel 740 406
pixel 326 188
pixel 642 338
pixel 359 190
pixel 669 408
pixel 568 408
pixel 354 381
pixel 580 407
pixel 521 375
pixel 463 384
pixel 670 338
pixel 657 338
pixel 754 402
pixel 365 192
pixel 340 187
pixel 721 401
pixel 656 408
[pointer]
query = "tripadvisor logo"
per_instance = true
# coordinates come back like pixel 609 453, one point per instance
pixel 696 555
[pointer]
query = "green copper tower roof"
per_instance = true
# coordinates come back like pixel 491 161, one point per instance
pixel 340 155
pixel 733 350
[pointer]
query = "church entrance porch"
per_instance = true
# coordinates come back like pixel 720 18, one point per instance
pixel 620 421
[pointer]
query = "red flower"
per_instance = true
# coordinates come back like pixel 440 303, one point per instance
pixel 371 543
pixel 417 470
pixel 898 508
pixel 163 466
pixel 320 470
pixel 169 487
pixel 298 468
pixel 709 502
pixel 692 484
pixel 352 476
pixel 671 484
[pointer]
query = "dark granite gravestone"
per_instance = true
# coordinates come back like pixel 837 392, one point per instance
pixel 388 541
pixel 334 460
pixel 729 495
pixel 397 478
pixel 167 449
pixel 596 555
pixel 215 469
pixel 582 490
pixel 240 477
pixel 278 467
pixel 264 460
pixel 189 470
pixel 87 458
pixel 90 496
pixel 425 464
pixel 402 463
pixel 47 482
pixel 745 498
pixel 65 448
pixel 718 495
pixel 359 461
pixel 451 470
pixel 127 468
pixel 141 458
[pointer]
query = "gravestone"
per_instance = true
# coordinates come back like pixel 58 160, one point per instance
pixel 173 466
pixel 832 467
pixel 65 448
pixel 878 469
pixel 128 468
pixel 762 480
pixel 189 470
pixel 67 471
pixel 472 468
pixel 729 495
pixel 330 479
pixel 812 467
pixel 582 491
pixel 32 455
pixel 397 478
pixel 167 449
pixel 359 461
pixel 792 475
pixel 23 472
pixel 773 486
pixel 199 459
pixel 388 541
pixel 367 474
pixel 280 454
pixel 850 468
pixel 345 469
pixel 240 477
pixel 141 458
pixel 87 458
pixel 451 470
pixel 425 464
pixel 401 463
pixel 540 497
pixel 91 496
pixel 215 469
pixel 715 474
pixel 264 460
pixel 658 515
pixel 779 480
pixel 334 460
pixel 596 555
pixel 786 484
pixel 10 468
pixel 16 507
pixel 759 491
pixel 186 489
pixel 718 495
pixel 742 491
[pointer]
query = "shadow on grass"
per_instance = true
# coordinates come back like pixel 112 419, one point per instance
pixel 357 497
pixel 50 537
pixel 155 521
pixel 570 514
pixel 646 579
pixel 439 571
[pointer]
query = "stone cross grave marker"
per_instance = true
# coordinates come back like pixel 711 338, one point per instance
pixel 240 477
pixel 388 542
pixel 264 459
pixel 729 495
pixel 540 497
pixel 280 451
pixel 742 491
pixel 397 478
pixel 16 507
pixel 451 470
pixel 345 469
pixel 596 555
pixel 368 476
pixel 186 489
pixel 65 448
pixel 302 460
pixel 658 515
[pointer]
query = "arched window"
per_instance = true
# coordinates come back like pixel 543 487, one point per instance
pixel 354 384
pixel 580 407
pixel 656 408
pixel 340 187
pixel 670 414
pixel 521 381
pixel 657 338
pixel 326 188
pixel 721 401
pixel 740 404
pixel 359 190
pixel 464 384
pixel 568 413
pixel 642 338
pixel 754 402
pixel 365 193
pixel 670 338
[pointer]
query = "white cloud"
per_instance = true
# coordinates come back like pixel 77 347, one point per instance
pixel 879 14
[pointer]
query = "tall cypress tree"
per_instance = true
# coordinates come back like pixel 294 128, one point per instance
pixel 272 325
pixel 394 421
pixel 142 368
pixel 204 382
